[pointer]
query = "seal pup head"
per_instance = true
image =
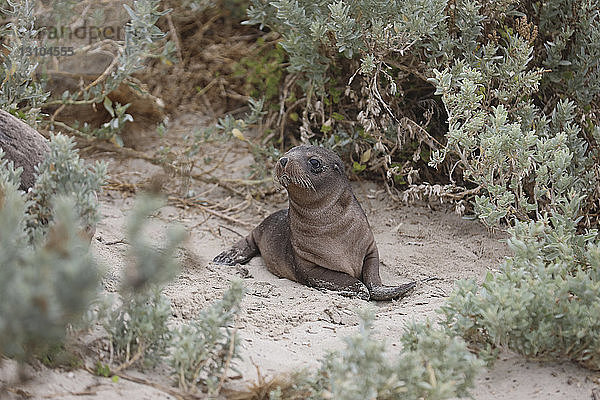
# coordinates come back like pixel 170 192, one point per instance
pixel 310 172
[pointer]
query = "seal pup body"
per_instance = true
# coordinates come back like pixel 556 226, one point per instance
pixel 323 239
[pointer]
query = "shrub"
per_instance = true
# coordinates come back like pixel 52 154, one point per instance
pixel 63 173
pixel 545 303
pixel 517 134
pixel 47 276
pixel 203 350
pixel 43 289
pixel 432 365
pixel 18 86
pixel 526 162
pixel 137 328
pixel 22 92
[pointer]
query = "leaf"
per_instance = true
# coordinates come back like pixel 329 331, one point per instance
pixel 237 134
pixel 366 156
pixel 107 103
pixel 357 167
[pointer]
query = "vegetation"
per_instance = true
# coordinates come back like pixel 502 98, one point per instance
pixel 63 173
pixel 518 113
pixel 432 365
pixel 47 285
pixel 493 105
pixel 203 350
pixel 29 49
pixel 544 303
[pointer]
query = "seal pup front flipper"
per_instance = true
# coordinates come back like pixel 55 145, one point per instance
pixel 270 239
pixel 242 252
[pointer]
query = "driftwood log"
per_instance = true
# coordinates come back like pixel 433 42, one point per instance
pixel 23 145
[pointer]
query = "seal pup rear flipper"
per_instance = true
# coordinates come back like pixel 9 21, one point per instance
pixel 340 282
pixel 382 293
pixel 371 278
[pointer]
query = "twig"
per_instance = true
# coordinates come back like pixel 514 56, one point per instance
pixel 177 200
pixel 120 241
pixel 231 230
pixel 209 86
pixel 20 392
pixel 174 36
pixel 131 153
pixel 228 361
pixel 200 32
pixel 138 354
pixel 83 393
pixel 173 392
pixel 430 140
pixel 285 117
pixel 282 115
pixel 101 78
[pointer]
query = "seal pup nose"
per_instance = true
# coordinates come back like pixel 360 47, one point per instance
pixel 283 161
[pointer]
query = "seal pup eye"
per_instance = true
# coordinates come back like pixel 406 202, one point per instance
pixel 315 165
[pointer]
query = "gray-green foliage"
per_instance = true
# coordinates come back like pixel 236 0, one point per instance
pixel 45 288
pixel 47 275
pixel 545 303
pixel 141 33
pixel 432 365
pixel 520 97
pixel 137 327
pixel 525 161
pixel 203 349
pixel 18 84
pixel 313 32
pixel 571 32
pixel 64 173
pixel 22 90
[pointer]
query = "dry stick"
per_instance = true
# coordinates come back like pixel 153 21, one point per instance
pixel 173 392
pixel 131 153
pixel 220 162
pixel 430 140
pixel 231 230
pixel 228 361
pixel 209 86
pixel 177 200
pixel 200 32
pixel 138 354
pixel 101 78
pixel 463 194
pixel 285 117
pixel 83 393
pixel 282 114
pixel 175 37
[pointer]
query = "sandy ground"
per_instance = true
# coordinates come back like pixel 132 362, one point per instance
pixel 285 326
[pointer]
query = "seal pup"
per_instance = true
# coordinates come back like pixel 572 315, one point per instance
pixel 323 239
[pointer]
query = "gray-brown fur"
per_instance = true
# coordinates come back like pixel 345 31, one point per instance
pixel 23 145
pixel 323 239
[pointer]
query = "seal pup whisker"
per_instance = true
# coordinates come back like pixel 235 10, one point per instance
pixel 323 239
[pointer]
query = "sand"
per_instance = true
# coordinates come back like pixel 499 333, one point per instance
pixel 285 326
